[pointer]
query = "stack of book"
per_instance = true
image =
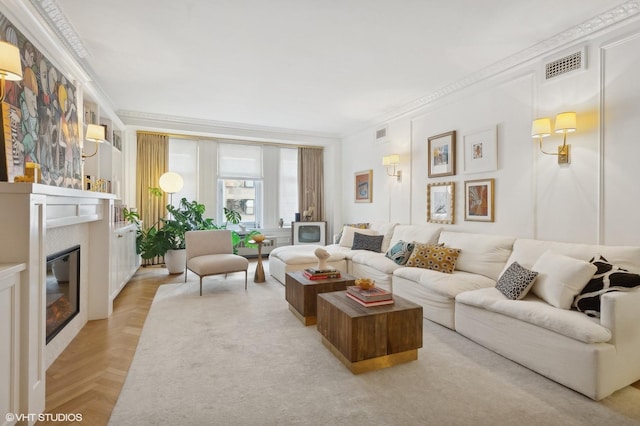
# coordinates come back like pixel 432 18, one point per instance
pixel 374 296
pixel 320 274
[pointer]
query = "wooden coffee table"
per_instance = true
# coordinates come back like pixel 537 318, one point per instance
pixel 367 339
pixel 301 293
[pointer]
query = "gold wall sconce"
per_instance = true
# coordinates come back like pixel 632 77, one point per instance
pixel 10 66
pixel 392 160
pixel 96 134
pixel 565 123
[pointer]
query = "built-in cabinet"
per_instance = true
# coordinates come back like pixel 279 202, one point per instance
pixel 124 259
pixel 10 338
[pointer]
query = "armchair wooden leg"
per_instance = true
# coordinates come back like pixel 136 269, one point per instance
pixel 245 280
pixel 200 286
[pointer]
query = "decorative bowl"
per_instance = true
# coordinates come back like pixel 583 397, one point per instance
pixel 365 283
pixel 258 238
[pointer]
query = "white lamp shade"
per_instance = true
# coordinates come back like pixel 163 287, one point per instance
pixel 171 182
pixel 10 66
pixel 390 160
pixel 565 122
pixel 541 128
pixel 95 133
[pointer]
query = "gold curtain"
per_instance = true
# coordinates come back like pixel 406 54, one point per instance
pixel 311 182
pixel 152 162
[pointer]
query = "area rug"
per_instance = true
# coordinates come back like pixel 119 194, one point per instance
pixel 236 357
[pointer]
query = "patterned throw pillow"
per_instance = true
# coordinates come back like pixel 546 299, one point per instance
pixel 400 252
pixel 367 242
pixel 432 257
pixel 353 225
pixel 516 281
pixel 608 278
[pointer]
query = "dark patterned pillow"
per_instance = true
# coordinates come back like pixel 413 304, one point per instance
pixel 400 252
pixel 607 278
pixel 516 281
pixel 367 242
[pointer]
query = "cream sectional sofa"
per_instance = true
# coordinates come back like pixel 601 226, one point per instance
pixel 594 356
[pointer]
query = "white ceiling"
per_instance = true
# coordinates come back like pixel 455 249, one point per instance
pixel 328 66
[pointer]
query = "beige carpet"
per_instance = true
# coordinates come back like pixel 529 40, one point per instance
pixel 233 357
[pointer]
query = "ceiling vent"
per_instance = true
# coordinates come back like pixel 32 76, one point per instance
pixel 567 64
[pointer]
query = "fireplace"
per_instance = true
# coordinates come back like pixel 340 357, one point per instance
pixel 63 290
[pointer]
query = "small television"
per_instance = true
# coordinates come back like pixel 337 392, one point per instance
pixel 309 233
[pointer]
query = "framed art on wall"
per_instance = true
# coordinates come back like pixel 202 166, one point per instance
pixel 440 202
pixel 363 186
pixel 442 154
pixel 478 200
pixel 480 150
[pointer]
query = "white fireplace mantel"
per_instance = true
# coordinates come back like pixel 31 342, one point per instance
pixel 27 211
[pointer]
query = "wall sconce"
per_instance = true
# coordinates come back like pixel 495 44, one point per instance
pixel 565 123
pixel 97 134
pixel 392 160
pixel 10 67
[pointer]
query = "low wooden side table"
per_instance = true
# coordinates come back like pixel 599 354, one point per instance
pixel 301 293
pixel 369 338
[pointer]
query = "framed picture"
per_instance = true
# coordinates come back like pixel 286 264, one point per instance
pixel 442 154
pixel 363 186
pixel 478 200
pixel 481 150
pixel 440 202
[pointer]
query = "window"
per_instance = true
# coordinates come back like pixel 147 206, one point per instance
pixel 240 182
pixel 288 187
pixel 243 196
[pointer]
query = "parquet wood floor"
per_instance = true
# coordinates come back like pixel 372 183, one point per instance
pixel 88 376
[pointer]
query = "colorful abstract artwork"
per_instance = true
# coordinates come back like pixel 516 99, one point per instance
pixel 39 118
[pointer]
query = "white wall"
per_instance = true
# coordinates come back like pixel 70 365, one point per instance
pixel 592 199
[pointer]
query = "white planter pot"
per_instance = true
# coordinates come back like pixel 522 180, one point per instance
pixel 175 260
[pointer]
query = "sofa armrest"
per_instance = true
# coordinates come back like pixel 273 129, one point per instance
pixel 620 313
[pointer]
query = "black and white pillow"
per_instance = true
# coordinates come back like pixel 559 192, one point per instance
pixel 516 281
pixel 367 242
pixel 608 278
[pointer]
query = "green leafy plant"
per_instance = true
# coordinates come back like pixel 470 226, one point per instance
pixel 169 234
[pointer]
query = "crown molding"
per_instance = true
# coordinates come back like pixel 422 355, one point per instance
pixel 223 128
pixel 58 21
pixel 606 20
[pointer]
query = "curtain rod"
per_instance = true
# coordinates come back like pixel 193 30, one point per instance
pixel 225 140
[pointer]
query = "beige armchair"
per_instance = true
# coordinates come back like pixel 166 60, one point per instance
pixel 210 252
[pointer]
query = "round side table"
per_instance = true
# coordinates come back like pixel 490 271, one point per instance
pixel 258 277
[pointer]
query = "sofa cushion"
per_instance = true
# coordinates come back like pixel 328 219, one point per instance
pixel 432 257
pixel 445 285
pixel 352 225
pixel 561 278
pixel 426 234
pixel 294 255
pixel 481 253
pixel 607 278
pixel 375 260
pixel 531 309
pixel 386 229
pixel 527 251
pixel 400 252
pixel 516 281
pixel 348 233
pixel 367 242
